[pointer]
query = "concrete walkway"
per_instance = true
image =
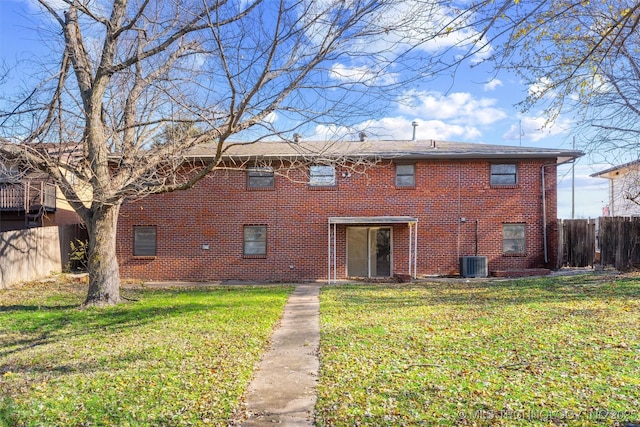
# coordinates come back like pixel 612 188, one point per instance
pixel 283 390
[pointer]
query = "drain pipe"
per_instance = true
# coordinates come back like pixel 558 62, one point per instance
pixel 544 213
pixel 476 237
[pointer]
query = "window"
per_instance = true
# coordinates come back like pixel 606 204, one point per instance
pixel 504 174
pixel 405 175
pixel 9 173
pixel 260 177
pixel 514 239
pixel 322 175
pixel 144 241
pixel 255 240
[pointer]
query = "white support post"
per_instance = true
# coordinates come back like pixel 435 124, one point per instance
pixel 335 256
pixel 410 224
pixel 329 252
pixel 415 253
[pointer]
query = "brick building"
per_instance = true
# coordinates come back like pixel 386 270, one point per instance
pixel 313 210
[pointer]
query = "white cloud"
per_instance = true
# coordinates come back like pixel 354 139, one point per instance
pixel 399 128
pixel 460 108
pixel 35 6
pixel 492 85
pixel 360 74
pixel 100 8
pixel 541 89
pixel 401 27
pixel 271 117
pixel 536 128
pixel 458 116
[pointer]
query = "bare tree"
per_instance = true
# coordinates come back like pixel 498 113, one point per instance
pixel 133 75
pixel 579 58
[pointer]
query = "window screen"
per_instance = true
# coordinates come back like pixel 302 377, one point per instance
pixel 405 175
pixel 255 239
pixel 504 174
pixel 322 175
pixel 144 241
pixel 260 177
pixel 514 238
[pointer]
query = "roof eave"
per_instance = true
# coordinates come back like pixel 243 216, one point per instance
pixel 560 157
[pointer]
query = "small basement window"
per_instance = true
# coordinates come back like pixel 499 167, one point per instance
pixel 255 240
pixel 144 240
pixel 405 175
pixel 504 174
pixel 514 238
pixel 322 175
pixel 260 177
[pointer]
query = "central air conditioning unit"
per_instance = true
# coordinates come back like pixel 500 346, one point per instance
pixel 473 266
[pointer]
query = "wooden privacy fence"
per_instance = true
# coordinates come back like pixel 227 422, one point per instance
pixel 620 242
pixel 36 252
pixel 577 242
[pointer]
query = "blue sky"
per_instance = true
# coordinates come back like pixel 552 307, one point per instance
pixel 474 105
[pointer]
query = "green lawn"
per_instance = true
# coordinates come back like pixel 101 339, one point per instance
pixel 551 351
pixel 172 357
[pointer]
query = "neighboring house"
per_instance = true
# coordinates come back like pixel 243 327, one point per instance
pixel 624 189
pixel 26 199
pixel 386 207
pixel 30 199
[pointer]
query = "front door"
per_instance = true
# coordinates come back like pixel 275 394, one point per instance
pixel 369 251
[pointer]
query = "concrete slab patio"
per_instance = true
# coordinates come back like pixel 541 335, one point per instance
pixel 283 389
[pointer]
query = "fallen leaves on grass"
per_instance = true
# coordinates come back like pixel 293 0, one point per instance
pixel 174 357
pixel 551 351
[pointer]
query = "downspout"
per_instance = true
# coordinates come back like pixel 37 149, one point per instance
pixel 544 213
pixel 476 237
pixel 459 208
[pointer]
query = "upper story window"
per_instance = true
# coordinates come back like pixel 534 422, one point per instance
pixel 322 176
pixel 9 173
pixel 504 174
pixel 260 177
pixel 405 175
pixel 144 240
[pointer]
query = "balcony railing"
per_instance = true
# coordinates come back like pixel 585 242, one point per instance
pixel 27 196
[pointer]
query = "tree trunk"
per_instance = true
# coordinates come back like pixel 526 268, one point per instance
pixel 104 273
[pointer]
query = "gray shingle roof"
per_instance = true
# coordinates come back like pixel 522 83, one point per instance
pixel 383 149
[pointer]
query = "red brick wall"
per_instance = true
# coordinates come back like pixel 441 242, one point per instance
pixel 215 210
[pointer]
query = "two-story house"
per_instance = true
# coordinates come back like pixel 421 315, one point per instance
pixel 316 210
pixel 624 189
pixel 26 199
pixel 29 198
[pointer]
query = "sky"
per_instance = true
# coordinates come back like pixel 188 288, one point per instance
pixel 474 105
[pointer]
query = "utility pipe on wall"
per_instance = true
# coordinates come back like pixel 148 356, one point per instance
pixel 544 212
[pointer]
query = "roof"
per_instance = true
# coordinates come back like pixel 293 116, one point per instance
pixel 382 149
pixel 372 219
pixel 609 173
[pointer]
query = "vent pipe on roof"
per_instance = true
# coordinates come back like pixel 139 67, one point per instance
pixel 297 137
pixel 363 136
pixel 415 125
